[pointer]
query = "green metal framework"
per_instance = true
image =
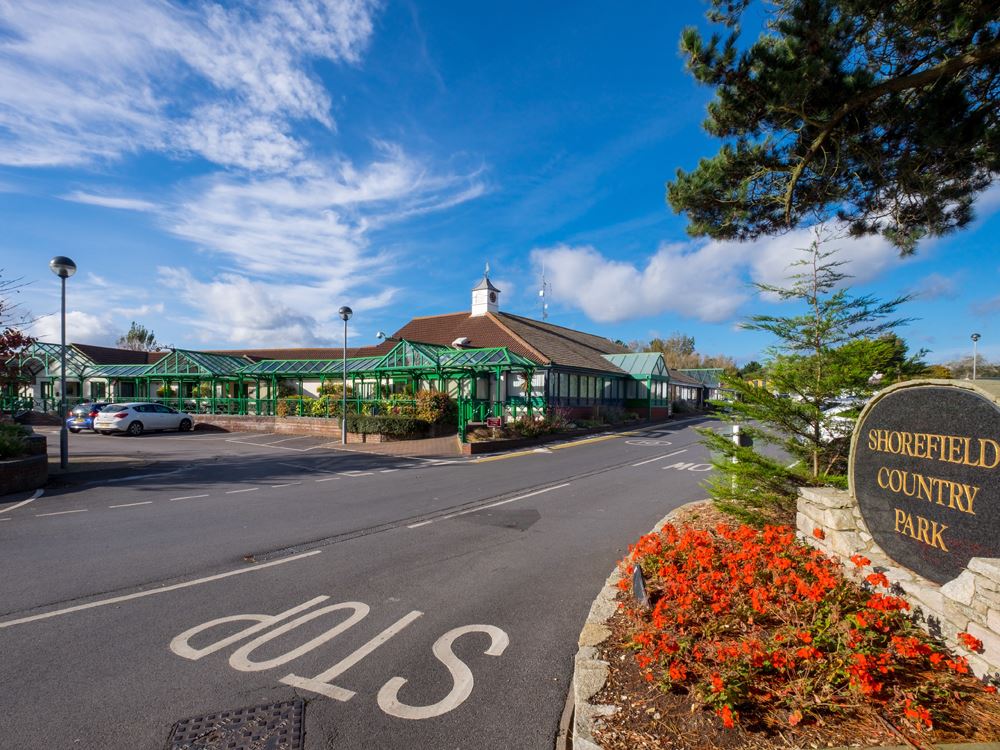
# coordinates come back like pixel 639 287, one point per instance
pixel 202 382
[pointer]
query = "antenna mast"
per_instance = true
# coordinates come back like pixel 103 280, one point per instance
pixel 542 293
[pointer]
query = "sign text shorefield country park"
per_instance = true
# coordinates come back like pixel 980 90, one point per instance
pixel 925 469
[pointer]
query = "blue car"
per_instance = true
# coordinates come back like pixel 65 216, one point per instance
pixel 81 417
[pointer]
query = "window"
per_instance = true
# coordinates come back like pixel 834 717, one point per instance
pixel 98 390
pixel 574 386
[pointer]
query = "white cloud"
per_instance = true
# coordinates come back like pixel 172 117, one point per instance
pixel 232 307
pixel 314 224
pixel 708 281
pixel 937 286
pixel 81 327
pixel 108 201
pixel 80 82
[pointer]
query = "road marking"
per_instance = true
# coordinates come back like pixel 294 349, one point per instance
pixel 461 675
pixel 504 456
pixel 285 440
pixel 321 682
pixel 4 519
pixel 792 465
pixel 411 526
pixel 306 468
pixel 509 500
pixel 660 458
pixel 689 467
pixel 161 590
pixel 287 484
pixel 38 494
pixel 387 471
pixel 60 513
pixel 248 489
pixel 328 479
pixel 356 473
pixel 130 505
pixel 648 442
pixel 187 497
pixel 146 476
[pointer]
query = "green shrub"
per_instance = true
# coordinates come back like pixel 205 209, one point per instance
pixel 387 424
pixel 434 406
pixel 289 407
pixel 12 443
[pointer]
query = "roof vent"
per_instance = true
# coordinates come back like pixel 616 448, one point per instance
pixel 460 342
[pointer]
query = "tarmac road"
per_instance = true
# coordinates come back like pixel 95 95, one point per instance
pixel 420 603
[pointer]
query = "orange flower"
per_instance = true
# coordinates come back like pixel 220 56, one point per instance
pixel 878 579
pixel 819 534
pixel 728 717
pixel 971 642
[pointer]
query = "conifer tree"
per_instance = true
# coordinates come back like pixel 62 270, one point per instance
pixel 835 348
pixel 884 114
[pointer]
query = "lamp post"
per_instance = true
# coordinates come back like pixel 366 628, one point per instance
pixel 975 353
pixel 345 315
pixel 63 267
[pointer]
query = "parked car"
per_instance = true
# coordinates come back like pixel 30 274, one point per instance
pixel 139 417
pixel 81 417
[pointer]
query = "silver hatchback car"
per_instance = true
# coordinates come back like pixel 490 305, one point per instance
pixel 138 417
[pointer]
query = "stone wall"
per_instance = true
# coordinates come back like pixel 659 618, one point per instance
pixel 969 603
pixel 20 474
pixel 290 425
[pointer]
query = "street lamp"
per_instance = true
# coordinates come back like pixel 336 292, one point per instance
pixel 63 267
pixel 975 339
pixel 345 315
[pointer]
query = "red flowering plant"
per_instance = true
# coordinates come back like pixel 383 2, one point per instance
pixel 762 628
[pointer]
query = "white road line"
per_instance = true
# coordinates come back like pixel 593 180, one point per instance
pixel 287 484
pixel 328 479
pixel 161 590
pixel 38 494
pixel 792 464
pixel 660 458
pixel 356 473
pixel 146 476
pixel 4 519
pixel 130 505
pixel 60 513
pixel 306 468
pixel 248 489
pixel 270 445
pixel 285 440
pixel 491 505
pixel 187 497
pixel 387 471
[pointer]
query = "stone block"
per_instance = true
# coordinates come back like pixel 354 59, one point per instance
pixel 989 569
pixel 826 497
pixel 839 519
pixel 927 594
pixel 845 543
pixel 956 616
pixel 991 643
pixel 993 620
pixel 961 589
pixel 593 634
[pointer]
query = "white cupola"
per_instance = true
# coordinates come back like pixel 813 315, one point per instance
pixel 485 296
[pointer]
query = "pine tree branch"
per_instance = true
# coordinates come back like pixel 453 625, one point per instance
pixel 948 67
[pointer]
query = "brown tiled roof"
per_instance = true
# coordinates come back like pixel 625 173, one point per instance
pixel 540 342
pixel 108 355
pixel 676 376
pixel 309 353
pixel 564 346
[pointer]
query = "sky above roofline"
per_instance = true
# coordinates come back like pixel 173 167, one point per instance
pixel 230 174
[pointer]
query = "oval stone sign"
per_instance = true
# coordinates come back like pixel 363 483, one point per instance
pixel 925 470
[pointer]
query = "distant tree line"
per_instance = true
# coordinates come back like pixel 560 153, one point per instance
pixel 679 353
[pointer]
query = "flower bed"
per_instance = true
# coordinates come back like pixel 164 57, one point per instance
pixel 768 635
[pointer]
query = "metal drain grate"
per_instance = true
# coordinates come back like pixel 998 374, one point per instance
pixel 278 726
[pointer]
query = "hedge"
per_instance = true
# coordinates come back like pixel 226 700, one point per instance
pixel 387 424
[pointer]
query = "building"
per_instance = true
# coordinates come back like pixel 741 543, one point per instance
pixel 493 363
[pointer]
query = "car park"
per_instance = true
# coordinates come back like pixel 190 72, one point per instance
pixel 81 416
pixel 135 418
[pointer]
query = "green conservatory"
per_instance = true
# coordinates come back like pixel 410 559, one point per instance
pixel 208 383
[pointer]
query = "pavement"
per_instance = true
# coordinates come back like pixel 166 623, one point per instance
pixel 410 602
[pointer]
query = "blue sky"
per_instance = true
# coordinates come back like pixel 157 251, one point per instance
pixel 230 174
